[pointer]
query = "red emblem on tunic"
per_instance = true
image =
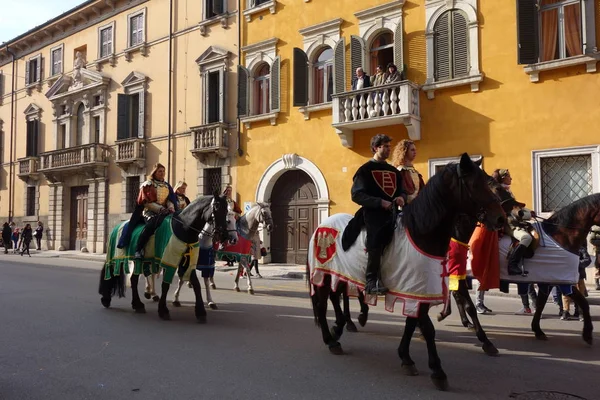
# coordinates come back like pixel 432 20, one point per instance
pixel 386 181
pixel 325 247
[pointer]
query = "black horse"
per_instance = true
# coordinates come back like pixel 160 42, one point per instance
pixel 185 226
pixel 429 219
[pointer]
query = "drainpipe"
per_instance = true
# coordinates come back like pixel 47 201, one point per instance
pixel 240 152
pixel 12 125
pixel 170 115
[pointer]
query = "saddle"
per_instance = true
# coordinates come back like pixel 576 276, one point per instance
pixel 530 251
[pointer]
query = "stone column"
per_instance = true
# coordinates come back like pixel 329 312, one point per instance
pixel 102 216
pixel 91 216
pixel 55 223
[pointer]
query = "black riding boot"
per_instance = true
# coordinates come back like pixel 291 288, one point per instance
pixel 374 284
pixel 514 261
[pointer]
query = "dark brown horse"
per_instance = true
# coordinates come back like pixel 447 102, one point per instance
pixel 459 188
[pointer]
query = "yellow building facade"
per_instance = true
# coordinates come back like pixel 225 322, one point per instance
pixel 515 84
pixel 93 98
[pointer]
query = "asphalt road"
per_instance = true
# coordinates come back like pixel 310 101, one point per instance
pixel 58 342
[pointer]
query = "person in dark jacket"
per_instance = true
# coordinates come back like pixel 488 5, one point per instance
pixel 39 230
pixel 361 80
pixel 27 237
pixel 377 187
pixel 6 236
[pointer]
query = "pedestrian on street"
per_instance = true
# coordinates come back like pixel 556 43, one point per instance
pixel 39 230
pixel 6 236
pixel 27 236
pixel 16 233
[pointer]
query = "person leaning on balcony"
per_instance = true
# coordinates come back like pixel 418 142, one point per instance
pixel 380 76
pixel 361 80
pixel 404 155
pixel 393 74
pixel 182 199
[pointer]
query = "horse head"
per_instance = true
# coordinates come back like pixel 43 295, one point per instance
pixel 265 216
pixel 220 218
pixel 477 199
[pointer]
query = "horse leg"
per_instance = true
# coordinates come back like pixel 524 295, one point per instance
pixel 176 302
pixel 163 311
pixel 544 291
pixel 464 302
pixel 212 283
pixel 584 309
pixel 199 310
pixel 438 376
pixel 340 320
pixel 460 305
pixel 408 365
pixel 363 317
pixel 209 299
pixel 350 327
pixel 149 289
pixel 136 303
pixel 319 303
pixel 236 286
pixel 153 287
pixel 247 269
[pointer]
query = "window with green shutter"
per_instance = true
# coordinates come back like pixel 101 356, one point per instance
pixel 451 46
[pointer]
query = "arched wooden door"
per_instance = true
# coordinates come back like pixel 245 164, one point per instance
pixel 295 215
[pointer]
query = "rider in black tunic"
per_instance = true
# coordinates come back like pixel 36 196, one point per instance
pixel 377 188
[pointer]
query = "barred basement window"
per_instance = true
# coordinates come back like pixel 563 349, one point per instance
pixel 565 179
pixel 212 181
pixel 451 46
pixel 133 189
pixel 30 201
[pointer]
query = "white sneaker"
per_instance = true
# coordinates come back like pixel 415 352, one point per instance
pixel 524 311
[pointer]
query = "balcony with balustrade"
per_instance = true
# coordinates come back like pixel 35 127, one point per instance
pixel 89 159
pixel 210 139
pixel 375 107
pixel 130 151
pixel 28 168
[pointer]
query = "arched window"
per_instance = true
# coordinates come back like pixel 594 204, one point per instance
pixel 451 46
pixel 323 76
pixel 80 125
pixel 262 82
pixel 382 52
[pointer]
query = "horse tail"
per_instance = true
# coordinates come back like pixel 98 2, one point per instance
pixel 314 297
pixel 111 284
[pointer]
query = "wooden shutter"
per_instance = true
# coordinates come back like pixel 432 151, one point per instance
pixel 275 85
pixel 243 75
pixel 40 63
pixel 398 48
pixel 27 72
pixel 300 78
pixel 357 53
pixel 339 66
pixel 123 116
pixel 460 45
pixel 441 47
pixel 1 90
pixel 527 32
pixel 29 139
pixel 35 138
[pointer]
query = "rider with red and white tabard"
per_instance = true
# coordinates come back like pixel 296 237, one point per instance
pixel 377 187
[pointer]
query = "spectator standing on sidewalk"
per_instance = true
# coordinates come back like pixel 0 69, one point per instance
pixel 39 230
pixel 27 236
pixel 6 236
pixel 16 233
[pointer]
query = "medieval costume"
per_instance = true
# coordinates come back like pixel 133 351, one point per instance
pixel 158 199
pixel 519 229
pixel 375 181
pixel 182 201
pixel 412 181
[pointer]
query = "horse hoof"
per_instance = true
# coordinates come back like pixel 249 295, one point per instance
pixel 350 327
pixel 201 319
pixel 165 316
pixel 251 291
pixel 440 383
pixel 176 303
pixel 147 296
pixel 441 317
pixel 588 338
pixel 213 306
pixel 237 289
pixel 336 349
pixel 541 336
pixel 490 349
pixel 362 318
pixel 213 286
pixel 410 370
pixel 155 298
pixel 470 327
pixel 105 302
pixel 140 310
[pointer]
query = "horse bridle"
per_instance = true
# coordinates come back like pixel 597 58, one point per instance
pixel 481 213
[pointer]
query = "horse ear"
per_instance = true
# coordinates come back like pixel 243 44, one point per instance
pixel 466 164
pixel 216 193
pixel 479 161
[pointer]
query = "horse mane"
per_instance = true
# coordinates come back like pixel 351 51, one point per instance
pixel 564 217
pixel 426 211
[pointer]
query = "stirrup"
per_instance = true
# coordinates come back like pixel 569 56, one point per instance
pixel 377 288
